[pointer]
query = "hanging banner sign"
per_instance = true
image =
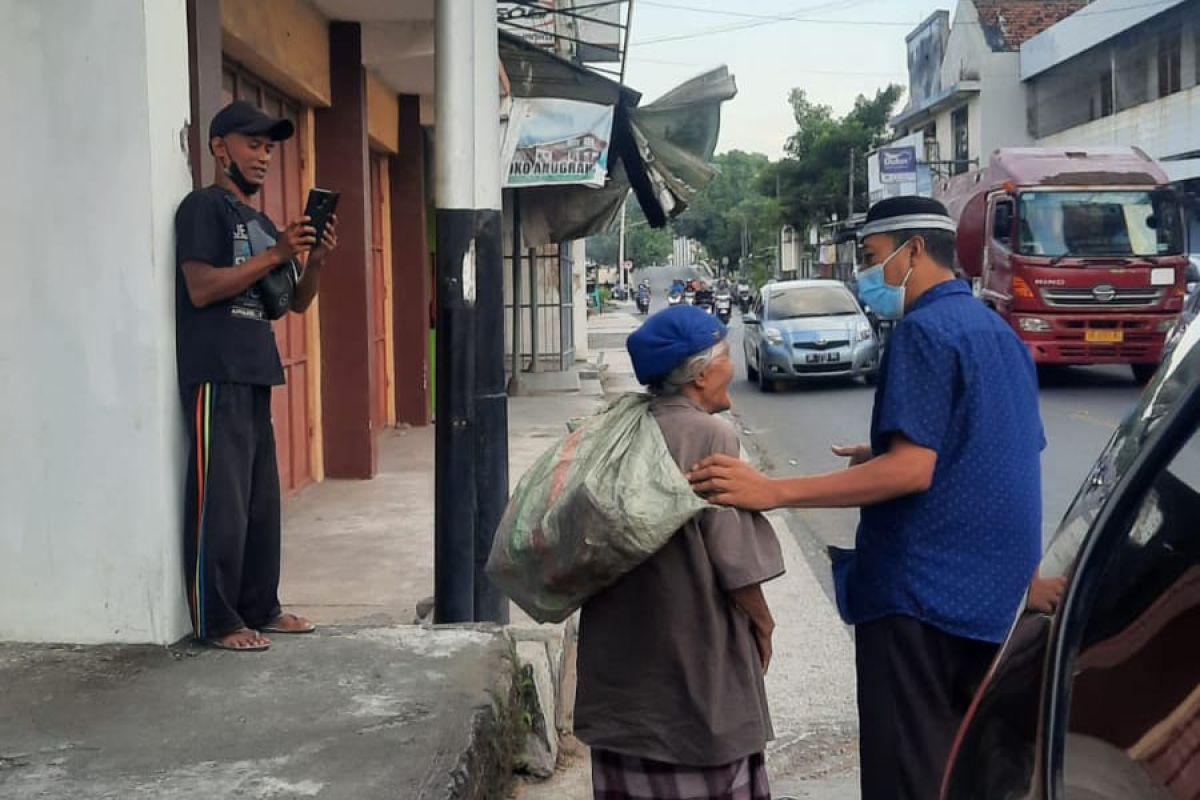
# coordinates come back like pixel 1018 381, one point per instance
pixel 897 164
pixel 552 142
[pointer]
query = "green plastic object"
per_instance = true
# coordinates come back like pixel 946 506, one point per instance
pixel 603 499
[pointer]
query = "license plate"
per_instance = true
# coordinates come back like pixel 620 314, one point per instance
pixel 1105 337
pixel 823 358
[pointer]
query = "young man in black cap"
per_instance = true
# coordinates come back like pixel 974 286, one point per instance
pixel 228 362
pixel 950 492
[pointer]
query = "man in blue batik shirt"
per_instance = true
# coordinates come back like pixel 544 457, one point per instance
pixel 950 491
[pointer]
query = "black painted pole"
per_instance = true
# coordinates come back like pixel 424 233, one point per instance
pixel 454 490
pixel 469 262
pixel 514 381
pixel 491 410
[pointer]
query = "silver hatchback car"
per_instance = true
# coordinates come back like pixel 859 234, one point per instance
pixel 808 329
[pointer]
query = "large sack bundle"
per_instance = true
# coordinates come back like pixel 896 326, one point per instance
pixel 603 499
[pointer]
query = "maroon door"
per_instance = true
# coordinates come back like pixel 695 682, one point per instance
pixel 379 401
pixel 282 199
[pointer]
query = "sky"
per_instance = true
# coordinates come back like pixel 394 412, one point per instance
pixel 835 50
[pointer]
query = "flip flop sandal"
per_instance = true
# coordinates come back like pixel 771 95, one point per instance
pixel 217 644
pixel 273 627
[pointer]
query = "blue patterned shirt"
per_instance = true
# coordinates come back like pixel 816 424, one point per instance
pixel 957 380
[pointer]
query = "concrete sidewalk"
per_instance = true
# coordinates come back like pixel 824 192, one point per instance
pixel 354 713
pixel 371 706
pixel 362 551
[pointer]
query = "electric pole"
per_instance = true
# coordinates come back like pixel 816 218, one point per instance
pixel 471 436
pixel 621 246
pixel 851 192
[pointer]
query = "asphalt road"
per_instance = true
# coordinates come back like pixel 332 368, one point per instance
pixel 790 431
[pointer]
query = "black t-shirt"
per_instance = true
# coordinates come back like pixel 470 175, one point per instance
pixel 230 341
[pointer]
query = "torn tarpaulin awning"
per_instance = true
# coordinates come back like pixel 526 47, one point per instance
pixel 677 134
pixel 661 151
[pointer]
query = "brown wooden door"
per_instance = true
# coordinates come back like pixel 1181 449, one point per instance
pixel 282 199
pixel 379 297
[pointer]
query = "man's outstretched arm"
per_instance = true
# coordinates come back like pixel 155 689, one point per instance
pixel 905 469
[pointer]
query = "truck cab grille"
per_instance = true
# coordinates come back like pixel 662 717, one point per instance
pixel 1103 297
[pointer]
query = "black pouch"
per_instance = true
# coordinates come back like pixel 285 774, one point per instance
pixel 277 288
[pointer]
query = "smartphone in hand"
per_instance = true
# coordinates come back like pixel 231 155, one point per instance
pixel 319 208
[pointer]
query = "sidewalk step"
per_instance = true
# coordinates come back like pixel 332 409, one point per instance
pixel 362 712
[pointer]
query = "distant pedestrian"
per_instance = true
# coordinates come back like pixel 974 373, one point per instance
pixel 671 657
pixel 228 364
pixel 950 490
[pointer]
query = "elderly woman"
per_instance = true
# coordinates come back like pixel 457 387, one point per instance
pixel 671 658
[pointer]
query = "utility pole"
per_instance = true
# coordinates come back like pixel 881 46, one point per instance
pixel 621 246
pixel 514 385
pixel 471 436
pixel 491 392
pixel 851 193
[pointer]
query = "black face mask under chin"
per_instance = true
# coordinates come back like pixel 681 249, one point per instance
pixel 235 174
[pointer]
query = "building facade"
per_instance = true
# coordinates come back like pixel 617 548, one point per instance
pixel 117 97
pixel 965 80
pixel 1116 74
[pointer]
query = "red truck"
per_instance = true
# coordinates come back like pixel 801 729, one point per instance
pixel 1082 251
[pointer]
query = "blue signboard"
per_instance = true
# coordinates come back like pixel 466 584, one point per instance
pixel 897 164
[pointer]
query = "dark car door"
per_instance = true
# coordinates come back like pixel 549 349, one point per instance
pixel 1102 700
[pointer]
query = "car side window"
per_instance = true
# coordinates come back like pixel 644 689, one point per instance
pixel 1135 696
pixel 1002 222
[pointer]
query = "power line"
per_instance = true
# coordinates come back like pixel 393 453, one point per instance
pixel 801 70
pixel 747 15
pixel 761 23
pixel 759 20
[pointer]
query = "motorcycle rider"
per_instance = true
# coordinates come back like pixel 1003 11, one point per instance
pixel 643 297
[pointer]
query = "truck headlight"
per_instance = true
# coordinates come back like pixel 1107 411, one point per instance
pixel 1034 325
pixel 773 335
pixel 1166 325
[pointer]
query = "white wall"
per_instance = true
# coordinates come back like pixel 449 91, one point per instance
pixel 1166 127
pixel 1003 118
pixel 90 429
pixel 996 116
pixel 579 288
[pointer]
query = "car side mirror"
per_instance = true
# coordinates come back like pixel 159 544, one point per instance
pixel 750 318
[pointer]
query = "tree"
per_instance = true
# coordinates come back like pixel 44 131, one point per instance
pixel 644 246
pixel 731 218
pixel 812 180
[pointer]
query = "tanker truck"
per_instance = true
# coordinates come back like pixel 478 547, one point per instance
pixel 1080 250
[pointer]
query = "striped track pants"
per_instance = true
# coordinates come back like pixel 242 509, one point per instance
pixel 231 509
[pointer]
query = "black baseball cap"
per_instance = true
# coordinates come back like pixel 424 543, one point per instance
pixel 243 117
